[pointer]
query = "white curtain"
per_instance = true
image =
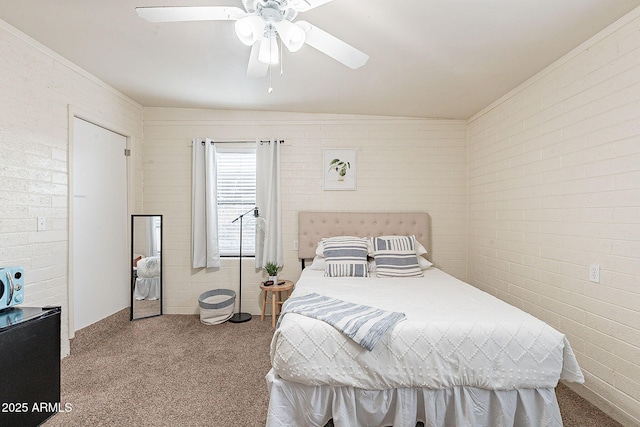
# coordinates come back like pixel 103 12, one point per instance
pixel 152 242
pixel 204 206
pixel 269 243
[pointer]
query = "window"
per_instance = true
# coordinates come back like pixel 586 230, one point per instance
pixel 236 194
pixel 156 227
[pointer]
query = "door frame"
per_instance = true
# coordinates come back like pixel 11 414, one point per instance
pixel 76 112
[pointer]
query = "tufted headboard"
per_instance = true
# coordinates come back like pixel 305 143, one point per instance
pixel 313 226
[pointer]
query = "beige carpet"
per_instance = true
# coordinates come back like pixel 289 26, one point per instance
pixel 173 370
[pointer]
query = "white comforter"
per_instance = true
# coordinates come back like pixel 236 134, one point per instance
pixel 454 335
pixel 148 267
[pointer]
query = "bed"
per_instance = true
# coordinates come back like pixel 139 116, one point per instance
pixel 147 278
pixel 457 356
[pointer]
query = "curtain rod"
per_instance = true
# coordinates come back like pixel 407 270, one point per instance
pixel 242 142
pixel 269 142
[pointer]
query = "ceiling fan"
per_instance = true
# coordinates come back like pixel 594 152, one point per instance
pixel 261 25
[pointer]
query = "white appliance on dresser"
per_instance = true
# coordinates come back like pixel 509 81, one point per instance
pixel 11 286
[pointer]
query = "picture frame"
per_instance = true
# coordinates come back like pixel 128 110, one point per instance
pixel 339 168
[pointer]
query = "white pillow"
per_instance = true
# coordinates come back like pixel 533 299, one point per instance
pixel 319 263
pixel 420 250
pixel 424 263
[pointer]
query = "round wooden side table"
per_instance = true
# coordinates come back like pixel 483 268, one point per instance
pixel 275 293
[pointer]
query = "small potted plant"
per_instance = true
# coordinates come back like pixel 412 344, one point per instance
pixel 272 271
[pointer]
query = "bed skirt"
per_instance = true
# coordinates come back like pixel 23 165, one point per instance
pixel 147 288
pixel 293 404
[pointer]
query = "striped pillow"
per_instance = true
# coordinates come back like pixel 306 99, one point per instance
pixel 345 256
pixel 396 256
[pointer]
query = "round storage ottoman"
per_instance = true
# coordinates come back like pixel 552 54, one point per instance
pixel 216 306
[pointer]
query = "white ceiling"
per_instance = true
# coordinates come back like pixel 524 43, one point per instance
pixel 428 58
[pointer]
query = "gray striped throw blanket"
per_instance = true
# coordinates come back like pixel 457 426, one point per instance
pixel 364 325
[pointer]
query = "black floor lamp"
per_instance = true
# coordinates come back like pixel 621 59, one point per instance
pixel 241 317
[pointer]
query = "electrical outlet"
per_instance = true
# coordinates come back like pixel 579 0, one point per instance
pixel 295 245
pixel 594 273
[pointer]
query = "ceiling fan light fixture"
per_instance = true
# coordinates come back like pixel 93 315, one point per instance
pixel 249 29
pixel 291 35
pixel 268 53
pixel 260 25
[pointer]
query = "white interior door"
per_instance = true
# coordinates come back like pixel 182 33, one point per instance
pixel 100 262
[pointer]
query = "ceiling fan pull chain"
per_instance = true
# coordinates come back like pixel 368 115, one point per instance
pixel 281 56
pixel 270 86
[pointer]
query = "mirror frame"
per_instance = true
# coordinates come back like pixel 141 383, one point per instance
pixel 133 276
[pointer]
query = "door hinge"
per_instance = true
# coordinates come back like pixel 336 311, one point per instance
pixel 127 152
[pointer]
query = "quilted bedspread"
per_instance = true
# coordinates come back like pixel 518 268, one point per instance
pixel 453 334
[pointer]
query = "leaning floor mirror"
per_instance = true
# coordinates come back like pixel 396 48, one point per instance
pixel 146 268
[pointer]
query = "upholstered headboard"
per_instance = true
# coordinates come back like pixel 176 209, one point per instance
pixel 313 226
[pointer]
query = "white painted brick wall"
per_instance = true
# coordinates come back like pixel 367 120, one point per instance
pixel 554 186
pixel 403 165
pixel 36 88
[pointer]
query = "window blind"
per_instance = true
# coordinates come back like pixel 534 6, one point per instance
pixel 236 195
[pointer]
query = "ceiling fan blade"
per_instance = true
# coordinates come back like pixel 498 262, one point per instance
pixel 255 67
pixel 190 13
pixel 333 46
pixel 305 5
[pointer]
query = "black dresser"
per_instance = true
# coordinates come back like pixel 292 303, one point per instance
pixel 29 365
